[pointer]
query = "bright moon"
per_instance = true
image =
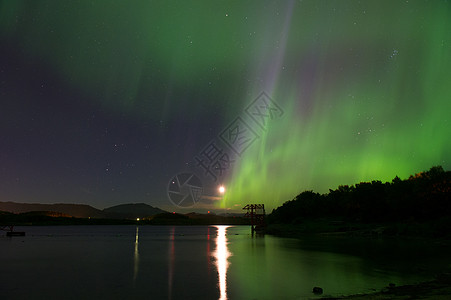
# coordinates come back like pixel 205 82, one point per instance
pixel 222 189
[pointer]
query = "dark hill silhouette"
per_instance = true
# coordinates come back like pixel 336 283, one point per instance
pixel 74 210
pixel 131 211
pixel 124 211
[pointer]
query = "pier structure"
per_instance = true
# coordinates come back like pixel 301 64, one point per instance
pixel 256 213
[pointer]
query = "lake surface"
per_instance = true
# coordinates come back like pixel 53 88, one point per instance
pixel 203 262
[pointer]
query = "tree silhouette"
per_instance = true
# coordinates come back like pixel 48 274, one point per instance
pixel 423 196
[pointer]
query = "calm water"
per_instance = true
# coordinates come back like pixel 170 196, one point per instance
pixel 202 262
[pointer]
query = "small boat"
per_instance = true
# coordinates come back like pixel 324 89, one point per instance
pixel 15 233
pixel 11 232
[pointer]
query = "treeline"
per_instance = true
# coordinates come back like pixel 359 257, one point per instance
pixel 48 218
pixel 55 218
pixel 422 197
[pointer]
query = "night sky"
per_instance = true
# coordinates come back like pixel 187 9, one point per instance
pixel 106 102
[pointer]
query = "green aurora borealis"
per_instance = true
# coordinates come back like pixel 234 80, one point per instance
pixel 364 85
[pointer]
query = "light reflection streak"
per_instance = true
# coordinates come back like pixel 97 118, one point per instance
pixel 221 254
pixel 208 251
pixel 171 252
pixel 136 256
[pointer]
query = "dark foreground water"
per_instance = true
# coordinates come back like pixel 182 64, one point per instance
pixel 202 262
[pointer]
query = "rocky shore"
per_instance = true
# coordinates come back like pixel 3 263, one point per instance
pixel 439 288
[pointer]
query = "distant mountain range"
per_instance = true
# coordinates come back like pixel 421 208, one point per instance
pixel 123 211
pixel 131 211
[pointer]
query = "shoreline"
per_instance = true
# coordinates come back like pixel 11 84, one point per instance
pixel 404 230
pixel 438 288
